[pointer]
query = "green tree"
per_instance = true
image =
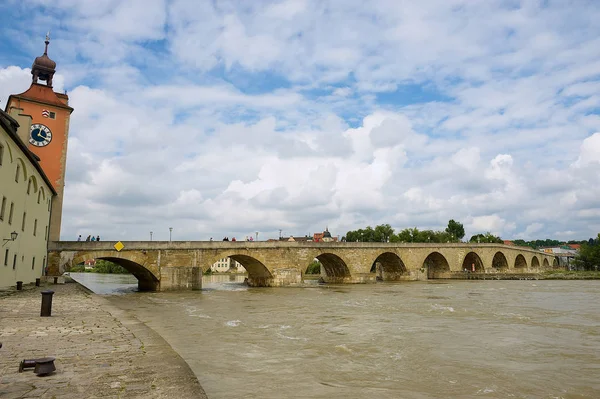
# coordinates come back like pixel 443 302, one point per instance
pixel 486 238
pixel 589 255
pixel 407 235
pixel 456 229
pixel 383 232
pixel 105 266
pixel 314 267
pixel 380 233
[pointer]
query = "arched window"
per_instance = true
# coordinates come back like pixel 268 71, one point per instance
pixel 29 186
pixel 17 173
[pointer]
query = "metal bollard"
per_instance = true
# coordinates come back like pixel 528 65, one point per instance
pixel 55 280
pixel 46 303
pixel 19 285
pixel 44 366
pixel 37 282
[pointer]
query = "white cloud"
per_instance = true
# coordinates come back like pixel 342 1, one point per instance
pixel 590 151
pixel 492 223
pixel 218 118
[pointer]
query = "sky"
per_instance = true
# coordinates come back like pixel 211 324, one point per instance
pixel 227 118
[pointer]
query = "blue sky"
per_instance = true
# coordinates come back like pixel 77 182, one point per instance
pixel 225 117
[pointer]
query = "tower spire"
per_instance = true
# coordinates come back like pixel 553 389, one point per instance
pixel 47 43
pixel 43 67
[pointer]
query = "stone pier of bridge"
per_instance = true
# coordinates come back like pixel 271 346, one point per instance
pixel 179 265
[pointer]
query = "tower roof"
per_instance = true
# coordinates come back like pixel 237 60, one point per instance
pixel 43 67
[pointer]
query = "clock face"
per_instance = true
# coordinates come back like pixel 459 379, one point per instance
pixel 40 135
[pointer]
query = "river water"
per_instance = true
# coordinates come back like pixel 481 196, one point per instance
pixel 458 339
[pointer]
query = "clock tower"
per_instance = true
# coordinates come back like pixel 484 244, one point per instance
pixel 48 113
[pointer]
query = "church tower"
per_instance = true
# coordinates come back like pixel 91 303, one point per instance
pixel 48 113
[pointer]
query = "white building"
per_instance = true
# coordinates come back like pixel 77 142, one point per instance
pixel 227 265
pixel 25 203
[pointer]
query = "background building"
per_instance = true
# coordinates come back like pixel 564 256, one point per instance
pixel 25 202
pixel 33 156
pixel 564 254
pixel 48 114
pixel 227 265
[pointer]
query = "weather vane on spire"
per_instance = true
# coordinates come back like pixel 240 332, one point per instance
pixel 48 36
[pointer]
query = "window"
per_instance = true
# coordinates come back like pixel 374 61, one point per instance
pixel 29 187
pixel 1 153
pixel 39 196
pixel 35 227
pixel 15 262
pixel 52 115
pixel 10 213
pixel 49 202
pixel 2 208
pixel 33 263
pixel 17 174
pixel 6 258
pixel 46 235
pixel 24 219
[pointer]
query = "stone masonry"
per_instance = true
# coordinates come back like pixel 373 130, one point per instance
pixel 100 351
pixel 161 265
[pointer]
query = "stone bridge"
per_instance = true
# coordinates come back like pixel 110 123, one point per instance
pixel 179 265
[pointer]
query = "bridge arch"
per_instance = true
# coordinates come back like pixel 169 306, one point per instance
pixel 555 263
pixel 472 259
pixel 535 262
pixel 499 262
pixel 258 274
pixel 520 262
pixel 546 264
pixel 147 279
pixel 435 264
pixel 334 266
pixel 389 267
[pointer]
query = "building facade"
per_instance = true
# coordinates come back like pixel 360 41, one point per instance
pixel 33 152
pixel 25 206
pixel 227 265
pixel 48 114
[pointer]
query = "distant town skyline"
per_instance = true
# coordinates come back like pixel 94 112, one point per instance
pixel 229 118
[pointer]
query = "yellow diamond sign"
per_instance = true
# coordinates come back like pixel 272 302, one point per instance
pixel 119 246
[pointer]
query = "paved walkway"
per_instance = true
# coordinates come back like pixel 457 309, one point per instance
pixel 100 351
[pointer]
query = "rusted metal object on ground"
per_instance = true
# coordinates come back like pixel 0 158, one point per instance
pixel 26 364
pixel 44 366
pixel 41 366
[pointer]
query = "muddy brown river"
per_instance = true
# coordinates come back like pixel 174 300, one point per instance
pixel 439 339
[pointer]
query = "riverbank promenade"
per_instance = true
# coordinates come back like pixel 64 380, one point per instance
pixel 100 350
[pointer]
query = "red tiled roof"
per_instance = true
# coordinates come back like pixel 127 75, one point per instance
pixel 42 93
